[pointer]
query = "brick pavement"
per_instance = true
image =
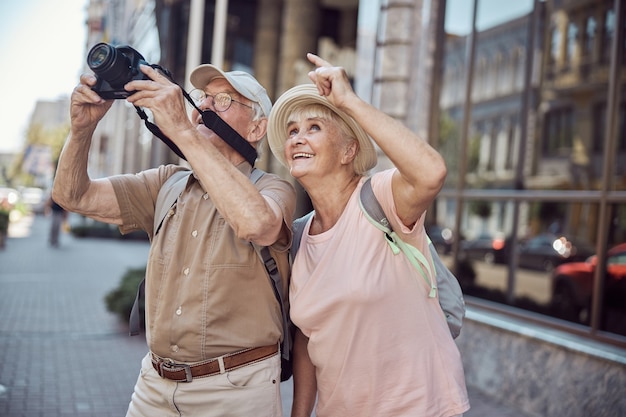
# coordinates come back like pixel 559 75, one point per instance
pixel 61 352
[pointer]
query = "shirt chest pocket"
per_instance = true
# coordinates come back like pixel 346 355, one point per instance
pixel 227 251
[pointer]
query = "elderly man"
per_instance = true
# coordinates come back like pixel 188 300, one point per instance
pixel 213 322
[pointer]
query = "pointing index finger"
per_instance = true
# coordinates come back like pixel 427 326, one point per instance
pixel 316 60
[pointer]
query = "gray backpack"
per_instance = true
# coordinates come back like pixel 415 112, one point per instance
pixel 450 293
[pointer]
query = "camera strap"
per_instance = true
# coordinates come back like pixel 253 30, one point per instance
pixel 154 129
pixel 229 135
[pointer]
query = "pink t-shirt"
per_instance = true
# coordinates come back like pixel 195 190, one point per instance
pixel 380 345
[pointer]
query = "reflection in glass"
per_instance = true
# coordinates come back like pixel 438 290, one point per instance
pixel 555 44
pixel 572 283
pixel 540 113
pixel 590 35
pixel 497 88
pixel 572 35
pixel 550 234
pixel 609 30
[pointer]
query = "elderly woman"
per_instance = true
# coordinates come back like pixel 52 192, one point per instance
pixel 370 340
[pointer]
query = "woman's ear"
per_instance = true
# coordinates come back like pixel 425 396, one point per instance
pixel 350 152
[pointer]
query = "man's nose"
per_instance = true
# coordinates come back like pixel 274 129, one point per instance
pixel 207 103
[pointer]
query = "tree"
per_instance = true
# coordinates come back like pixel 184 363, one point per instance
pixel 51 138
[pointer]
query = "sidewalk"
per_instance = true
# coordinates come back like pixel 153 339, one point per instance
pixel 61 352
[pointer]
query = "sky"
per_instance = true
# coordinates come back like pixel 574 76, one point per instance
pixel 42 47
pixel 489 13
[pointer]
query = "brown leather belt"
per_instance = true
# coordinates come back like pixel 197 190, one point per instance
pixel 182 372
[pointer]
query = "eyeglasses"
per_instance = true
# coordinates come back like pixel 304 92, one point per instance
pixel 221 101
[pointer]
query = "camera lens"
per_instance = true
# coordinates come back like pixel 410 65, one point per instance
pixel 99 55
pixel 110 65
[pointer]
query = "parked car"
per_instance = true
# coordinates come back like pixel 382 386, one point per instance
pixel 572 284
pixel 486 247
pixel 546 251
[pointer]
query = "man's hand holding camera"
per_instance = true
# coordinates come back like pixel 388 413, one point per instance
pixel 163 98
pixel 120 72
pixel 87 107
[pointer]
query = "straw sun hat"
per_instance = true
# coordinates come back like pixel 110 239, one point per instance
pixel 305 95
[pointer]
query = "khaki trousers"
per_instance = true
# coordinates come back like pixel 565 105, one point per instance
pixel 253 390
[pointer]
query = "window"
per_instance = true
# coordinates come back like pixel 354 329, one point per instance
pixel 572 35
pixel 555 44
pixel 558 131
pixel 599 127
pixel 609 30
pixel 590 35
pixel 512 143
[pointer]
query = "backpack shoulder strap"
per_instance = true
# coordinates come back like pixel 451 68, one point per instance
pixel 256 175
pixel 448 288
pixel 372 208
pixel 175 185
pixel 169 192
pixel 376 215
pixel 275 280
pixel 298 228
pixel 167 196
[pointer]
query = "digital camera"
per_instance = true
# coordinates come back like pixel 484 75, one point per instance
pixel 114 67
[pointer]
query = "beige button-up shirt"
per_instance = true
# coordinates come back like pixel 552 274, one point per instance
pixel 207 291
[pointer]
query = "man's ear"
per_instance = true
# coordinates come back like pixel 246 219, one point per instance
pixel 350 152
pixel 257 131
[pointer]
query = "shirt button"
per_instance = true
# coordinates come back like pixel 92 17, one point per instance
pixel 205 196
pixel 170 213
pixel 194 233
pixel 174 348
pixel 186 271
pixel 179 311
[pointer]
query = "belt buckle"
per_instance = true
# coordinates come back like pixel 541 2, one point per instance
pixel 173 367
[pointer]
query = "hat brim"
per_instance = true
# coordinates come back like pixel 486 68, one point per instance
pixel 203 74
pixel 305 95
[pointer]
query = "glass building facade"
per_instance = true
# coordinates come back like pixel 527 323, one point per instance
pixel 532 125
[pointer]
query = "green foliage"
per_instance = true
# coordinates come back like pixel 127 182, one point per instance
pixel 474 153
pixel 545 212
pixel 449 145
pixel 449 139
pixel 52 137
pixel 121 299
pixel 37 135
